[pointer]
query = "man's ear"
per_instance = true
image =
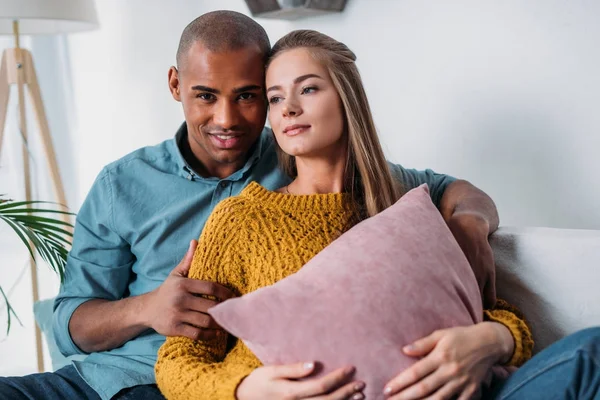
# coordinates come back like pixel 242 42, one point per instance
pixel 174 83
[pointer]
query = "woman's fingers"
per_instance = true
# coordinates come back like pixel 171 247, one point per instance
pixel 350 391
pixel 422 388
pixel 292 371
pixel 424 345
pixel 450 390
pixel 412 375
pixel 471 392
pixel 325 384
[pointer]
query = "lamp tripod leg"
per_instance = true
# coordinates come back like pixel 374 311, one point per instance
pixel 4 95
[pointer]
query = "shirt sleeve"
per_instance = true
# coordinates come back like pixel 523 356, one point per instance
pixel 412 178
pixel 98 265
pixel 204 369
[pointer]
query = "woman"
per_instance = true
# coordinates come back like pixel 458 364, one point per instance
pixel 322 123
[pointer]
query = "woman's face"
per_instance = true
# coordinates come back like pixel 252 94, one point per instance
pixel 305 109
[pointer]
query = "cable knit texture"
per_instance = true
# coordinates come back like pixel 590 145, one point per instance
pixel 250 241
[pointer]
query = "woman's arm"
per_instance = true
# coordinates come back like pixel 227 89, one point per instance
pixel 514 321
pixel 455 361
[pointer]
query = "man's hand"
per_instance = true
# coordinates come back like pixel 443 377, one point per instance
pixel 175 308
pixel 454 362
pixel 282 382
pixel 471 231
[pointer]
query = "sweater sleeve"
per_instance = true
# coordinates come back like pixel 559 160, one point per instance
pixel 204 369
pixel 509 316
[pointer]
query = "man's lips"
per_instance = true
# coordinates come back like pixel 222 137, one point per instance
pixel 292 130
pixel 226 140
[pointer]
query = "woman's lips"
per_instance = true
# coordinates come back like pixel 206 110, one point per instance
pixel 293 130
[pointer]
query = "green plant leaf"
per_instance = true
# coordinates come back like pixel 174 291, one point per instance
pixel 47 236
pixel 35 218
pixel 9 311
pixel 7 204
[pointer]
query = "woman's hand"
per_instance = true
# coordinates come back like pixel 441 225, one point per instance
pixel 454 362
pixel 280 382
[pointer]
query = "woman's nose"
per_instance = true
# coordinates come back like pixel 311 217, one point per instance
pixel 291 109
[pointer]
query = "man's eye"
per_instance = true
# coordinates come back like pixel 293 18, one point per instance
pixel 274 100
pixel 247 96
pixel 206 96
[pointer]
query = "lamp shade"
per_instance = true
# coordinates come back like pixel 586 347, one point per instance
pixel 47 16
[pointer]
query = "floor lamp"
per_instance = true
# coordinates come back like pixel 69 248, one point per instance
pixel 33 17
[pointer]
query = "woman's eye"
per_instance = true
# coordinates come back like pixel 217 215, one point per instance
pixel 309 89
pixel 274 100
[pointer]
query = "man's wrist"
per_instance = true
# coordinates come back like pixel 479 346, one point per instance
pixel 138 310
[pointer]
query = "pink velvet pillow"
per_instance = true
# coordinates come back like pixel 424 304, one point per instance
pixel 388 281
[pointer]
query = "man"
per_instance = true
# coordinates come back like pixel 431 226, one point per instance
pixel 121 294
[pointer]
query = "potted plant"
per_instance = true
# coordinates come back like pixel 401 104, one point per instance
pixel 32 222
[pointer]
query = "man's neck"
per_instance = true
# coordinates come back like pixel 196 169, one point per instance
pixel 219 171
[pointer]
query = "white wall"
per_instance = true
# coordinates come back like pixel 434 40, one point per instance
pixel 503 93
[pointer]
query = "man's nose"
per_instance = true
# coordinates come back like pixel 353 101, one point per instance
pixel 226 115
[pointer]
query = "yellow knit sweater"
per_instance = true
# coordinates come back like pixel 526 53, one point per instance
pixel 254 240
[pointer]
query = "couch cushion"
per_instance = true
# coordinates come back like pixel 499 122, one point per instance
pixel 552 275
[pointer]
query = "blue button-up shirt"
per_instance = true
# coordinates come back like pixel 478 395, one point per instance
pixel 133 229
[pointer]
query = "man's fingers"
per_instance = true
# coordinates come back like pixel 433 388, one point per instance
pixel 183 268
pixel 198 304
pixel 325 384
pixel 200 320
pixel 207 288
pixel 196 333
pixel 293 371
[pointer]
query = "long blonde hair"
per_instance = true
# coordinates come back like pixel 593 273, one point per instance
pixel 368 176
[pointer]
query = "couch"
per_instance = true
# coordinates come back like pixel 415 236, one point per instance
pixel 552 275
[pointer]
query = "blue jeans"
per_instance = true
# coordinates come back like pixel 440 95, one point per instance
pixel 65 384
pixel 567 370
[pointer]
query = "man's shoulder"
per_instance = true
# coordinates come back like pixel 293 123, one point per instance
pixel 157 155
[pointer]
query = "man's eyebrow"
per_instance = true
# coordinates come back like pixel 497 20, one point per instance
pixel 201 88
pixel 247 88
pixel 296 81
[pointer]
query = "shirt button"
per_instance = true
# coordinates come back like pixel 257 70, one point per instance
pixel 223 184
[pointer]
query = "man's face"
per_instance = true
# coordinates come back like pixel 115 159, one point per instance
pixel 224 104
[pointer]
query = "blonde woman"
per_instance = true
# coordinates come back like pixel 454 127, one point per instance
pixel 327 142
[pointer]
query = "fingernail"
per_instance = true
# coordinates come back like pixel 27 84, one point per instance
pixel 349 370
pixel 359 386
pixel 387 390
pixel 410 347
pixel 308 366
pixel 358 396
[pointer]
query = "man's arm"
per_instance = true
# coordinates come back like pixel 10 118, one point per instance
pixel 472 216
pixel 92 311
pixel 171 310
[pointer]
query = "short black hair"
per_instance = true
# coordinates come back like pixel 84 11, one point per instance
pixel 221 31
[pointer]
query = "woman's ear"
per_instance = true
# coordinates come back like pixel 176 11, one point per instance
pixel 174 83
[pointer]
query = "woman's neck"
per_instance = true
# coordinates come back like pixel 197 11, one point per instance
pixel 319 175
